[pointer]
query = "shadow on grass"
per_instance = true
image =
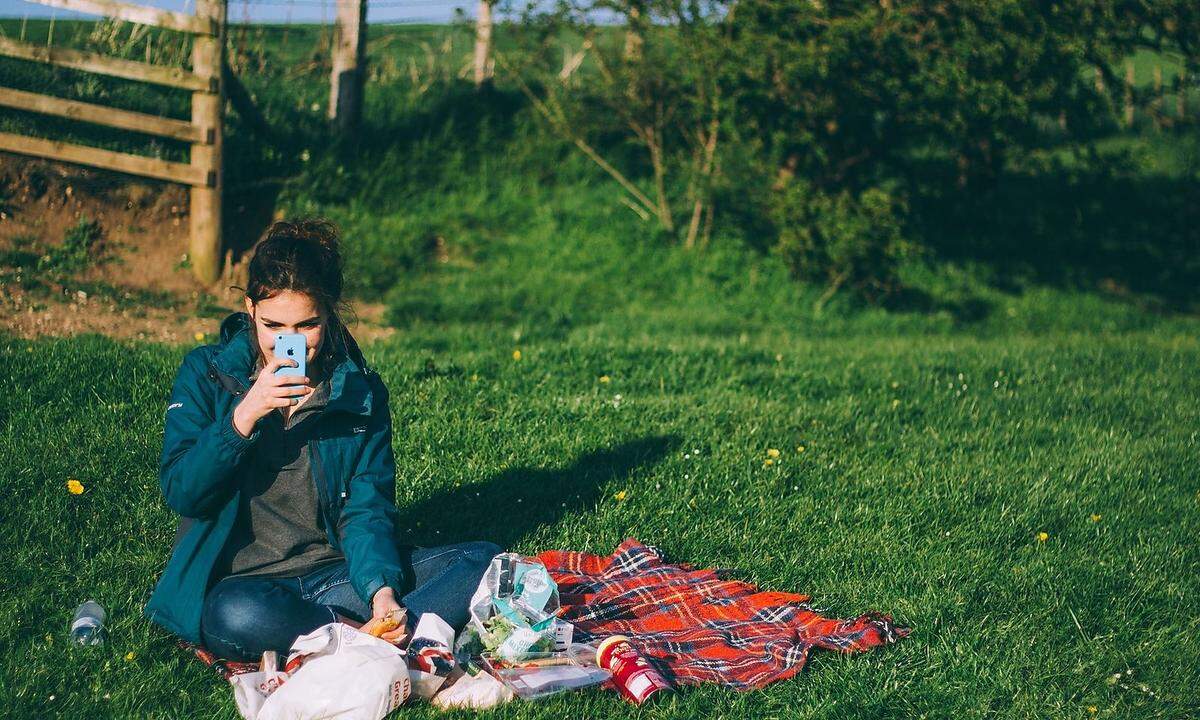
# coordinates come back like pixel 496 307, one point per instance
pixel 249 211
pixel 965 311
pixel 461 112
pixel 412 147
pixel 1108 227
pixel 516 502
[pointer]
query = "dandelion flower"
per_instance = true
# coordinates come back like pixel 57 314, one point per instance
pixel 199 337
pixel 605 379
pixel 129 656
pixel 1092 709
pixel 1094 517
pixel 516 354
pixel 619 496
pixel 772 453
pixel 1043 536
pixel 799 448
pixel 768 462
pixel 74 487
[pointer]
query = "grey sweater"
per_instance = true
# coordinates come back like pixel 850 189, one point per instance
pixel 279 530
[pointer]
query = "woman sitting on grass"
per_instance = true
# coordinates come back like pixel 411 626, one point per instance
pixel 288 503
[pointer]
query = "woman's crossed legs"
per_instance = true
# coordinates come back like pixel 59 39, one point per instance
pixel 245 616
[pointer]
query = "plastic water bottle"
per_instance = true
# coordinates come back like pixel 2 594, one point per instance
pixel 88 626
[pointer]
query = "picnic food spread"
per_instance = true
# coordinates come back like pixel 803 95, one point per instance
pixel 563 621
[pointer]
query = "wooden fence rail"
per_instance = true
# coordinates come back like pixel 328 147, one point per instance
pixel 103 115
pixel 204 131
pixel 141 14
pixel 183 173
pixel 105 65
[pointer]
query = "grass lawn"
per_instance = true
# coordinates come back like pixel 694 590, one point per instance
pixel 920 459
pixel 1010 472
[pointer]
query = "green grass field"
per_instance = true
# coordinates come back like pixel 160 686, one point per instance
pixel 1044 384
pixel 935 450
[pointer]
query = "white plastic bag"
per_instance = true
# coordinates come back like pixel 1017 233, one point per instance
pixel 344 674
pixel 250 690
pixel 477 692
pixel 429 658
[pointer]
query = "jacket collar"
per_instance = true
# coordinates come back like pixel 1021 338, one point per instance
pixel 349 381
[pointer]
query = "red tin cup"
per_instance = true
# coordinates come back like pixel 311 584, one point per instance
pixel 631 674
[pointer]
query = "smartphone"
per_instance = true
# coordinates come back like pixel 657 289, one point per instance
pixel 293 346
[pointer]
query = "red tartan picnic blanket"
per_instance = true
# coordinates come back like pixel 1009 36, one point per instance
pixel 700 626
pixel 693 625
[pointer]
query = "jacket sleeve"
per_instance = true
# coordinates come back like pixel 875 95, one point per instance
pixel 200 451
pixel 368 519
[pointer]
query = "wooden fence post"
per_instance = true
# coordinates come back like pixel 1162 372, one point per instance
pixel 349 65
pixel 483 43
pixel 208 56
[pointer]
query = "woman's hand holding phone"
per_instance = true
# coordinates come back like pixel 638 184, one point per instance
pixel 269 392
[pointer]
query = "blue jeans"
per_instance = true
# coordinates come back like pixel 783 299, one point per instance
pixel 245 616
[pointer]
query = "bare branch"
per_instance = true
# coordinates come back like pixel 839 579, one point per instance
pixel 559 123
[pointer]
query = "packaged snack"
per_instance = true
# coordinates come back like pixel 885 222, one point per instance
pixel 385 624
pixel 632 675
pixel 514 612
pixel 539 675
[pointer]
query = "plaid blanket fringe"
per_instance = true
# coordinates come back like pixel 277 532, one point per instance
pixel 698 625
pixel 225 668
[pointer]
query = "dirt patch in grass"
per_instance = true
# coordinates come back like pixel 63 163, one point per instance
pixel 85 251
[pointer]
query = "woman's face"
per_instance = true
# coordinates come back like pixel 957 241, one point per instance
pixel 287 312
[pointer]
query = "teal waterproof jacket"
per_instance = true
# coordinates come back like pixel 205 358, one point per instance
pixel 201 472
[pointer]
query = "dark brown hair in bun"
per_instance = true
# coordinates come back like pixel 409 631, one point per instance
pixel 303 256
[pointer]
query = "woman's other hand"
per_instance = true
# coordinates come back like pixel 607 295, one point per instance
pixel 270 391
pixel 385 608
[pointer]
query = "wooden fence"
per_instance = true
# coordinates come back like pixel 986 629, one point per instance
pixel 204 131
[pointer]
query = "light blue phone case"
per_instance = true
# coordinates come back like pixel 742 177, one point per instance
pixel 291 347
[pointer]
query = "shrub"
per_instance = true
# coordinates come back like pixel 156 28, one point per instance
pixel 696 108
pixel 843 240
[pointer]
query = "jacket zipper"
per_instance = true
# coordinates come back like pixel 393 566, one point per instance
pixel 323 494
